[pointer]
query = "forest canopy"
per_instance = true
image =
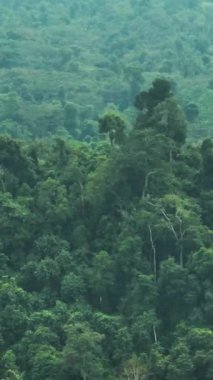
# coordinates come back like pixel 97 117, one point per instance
pixel 106 251
pixel 106 190
pixel 64 62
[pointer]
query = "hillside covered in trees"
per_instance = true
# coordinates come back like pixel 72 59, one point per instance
pixel 106 190
pixel 106 251
pixel 63 62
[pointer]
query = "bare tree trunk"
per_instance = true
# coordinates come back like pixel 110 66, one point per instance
pixel 170 224
pixel 146 183
pixel 178 235
pixel 181 239
pixel 155 334
pixel 2 179
pixel 154 252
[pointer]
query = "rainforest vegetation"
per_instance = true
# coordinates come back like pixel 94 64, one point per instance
pixel 106 190
pixel 64 62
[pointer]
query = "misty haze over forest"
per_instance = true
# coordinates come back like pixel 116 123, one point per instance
pixel 99 54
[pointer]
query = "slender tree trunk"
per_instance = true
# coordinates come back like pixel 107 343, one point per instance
pixel 181 239
pixel 146 183
pixel 154 252
pixel 155 334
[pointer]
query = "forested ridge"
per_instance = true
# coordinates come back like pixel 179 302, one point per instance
pixel 106 190
pixel 106 251
pixel 63 62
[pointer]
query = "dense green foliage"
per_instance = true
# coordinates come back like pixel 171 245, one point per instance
pixel 106 190
pixel 106 251
pixel 63 62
